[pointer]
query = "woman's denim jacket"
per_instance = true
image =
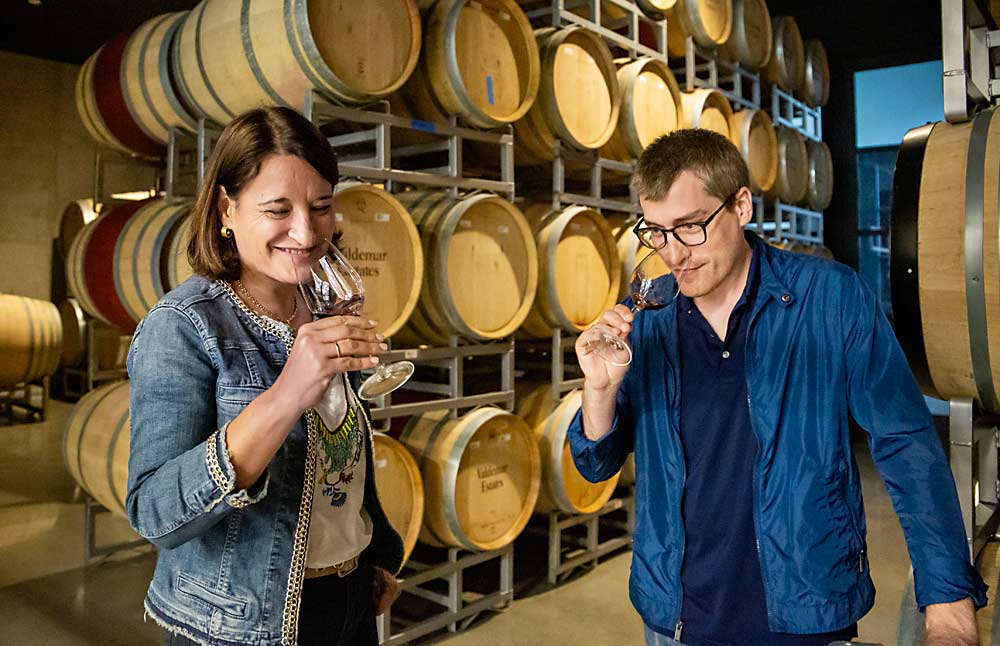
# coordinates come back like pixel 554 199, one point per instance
pixel 231 562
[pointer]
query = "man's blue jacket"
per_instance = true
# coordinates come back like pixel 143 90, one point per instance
pixel 819 352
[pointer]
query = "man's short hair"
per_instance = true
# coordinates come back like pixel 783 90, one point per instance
pixel 707 154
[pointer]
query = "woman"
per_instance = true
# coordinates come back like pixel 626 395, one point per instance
pixel 251 457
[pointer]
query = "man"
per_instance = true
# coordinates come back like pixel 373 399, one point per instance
pixel 749 520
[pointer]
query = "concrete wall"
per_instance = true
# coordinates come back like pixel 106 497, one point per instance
pixel 46 161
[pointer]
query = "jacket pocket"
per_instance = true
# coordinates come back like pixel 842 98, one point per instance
pixel 227 605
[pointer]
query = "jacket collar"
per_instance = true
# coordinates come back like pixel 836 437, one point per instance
pixel 771 285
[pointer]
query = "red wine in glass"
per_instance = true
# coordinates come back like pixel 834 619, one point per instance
pixel 651 287
pixel 334 288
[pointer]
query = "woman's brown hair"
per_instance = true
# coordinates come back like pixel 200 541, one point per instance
pixel 236 159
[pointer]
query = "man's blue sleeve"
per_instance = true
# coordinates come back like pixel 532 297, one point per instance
pixel 598 461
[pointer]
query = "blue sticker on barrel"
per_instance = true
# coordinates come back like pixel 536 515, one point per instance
pixel 489 89
pixel 426 126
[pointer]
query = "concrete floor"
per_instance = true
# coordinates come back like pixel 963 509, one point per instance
pixel 47 596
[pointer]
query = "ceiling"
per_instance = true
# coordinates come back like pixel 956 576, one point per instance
pixel 71 30
pixel 863 32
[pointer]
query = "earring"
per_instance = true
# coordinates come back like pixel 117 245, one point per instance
pixel 226 232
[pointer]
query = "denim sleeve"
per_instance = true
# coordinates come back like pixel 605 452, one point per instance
pixel 181 481
pixel 600 460
pixel 885 400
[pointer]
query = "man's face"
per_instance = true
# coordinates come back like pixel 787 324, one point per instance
pixel 700 269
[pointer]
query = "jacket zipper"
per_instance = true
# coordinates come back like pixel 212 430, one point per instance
pixel 756 467
pixel 857 535
pixel 297 570
pixel 679 626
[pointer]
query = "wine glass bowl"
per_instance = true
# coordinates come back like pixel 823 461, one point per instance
pixel 651 286
pixel 334 288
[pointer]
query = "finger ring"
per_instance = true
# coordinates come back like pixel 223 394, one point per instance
pixel 337 345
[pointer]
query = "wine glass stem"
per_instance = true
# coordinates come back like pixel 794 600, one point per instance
pixel 382 371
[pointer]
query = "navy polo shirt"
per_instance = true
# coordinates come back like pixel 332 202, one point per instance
pixel 724 603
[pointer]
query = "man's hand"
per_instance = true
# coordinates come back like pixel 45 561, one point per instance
pixel 385 590
pixel 951 624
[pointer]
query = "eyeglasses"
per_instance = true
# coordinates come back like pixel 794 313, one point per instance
pixel 689 234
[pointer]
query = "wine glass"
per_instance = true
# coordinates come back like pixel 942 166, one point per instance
pixel 651 287
pixel 334 288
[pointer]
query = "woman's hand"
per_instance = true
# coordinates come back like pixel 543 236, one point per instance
pixel 323 349
pixel 385 590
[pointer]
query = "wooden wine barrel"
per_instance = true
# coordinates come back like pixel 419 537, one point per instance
pixel 125 94
pixel 651 107
pixel 819 192
pixel 627 475
pixel 563 488
pixel 708 109
pixel 578 98
pixel 30 339
pixel 96 443
pixel 227 61
pixel 145 77
pixel 86 107
pixel 787 56
pixel 400 489
pixel 74 217
pixel 753 133
pixel 468 241
pixel 751 40
pixel 792 181
pixel 479 62
pixel 141 272
pixel 815 88
pixel 482 475
pixel 74 327
pixel 709 22
pixel 110 346
pixel 656 9
pixel 178 267
pixel 383 244
pixel 578 269
pixel 630 251
pixel 90 266
pixel 945 261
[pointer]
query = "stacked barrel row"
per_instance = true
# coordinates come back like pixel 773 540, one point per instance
pixel 122 262
pixel 555 84
pixel 471 482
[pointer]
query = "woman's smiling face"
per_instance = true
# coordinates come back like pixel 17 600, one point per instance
pixel 281 220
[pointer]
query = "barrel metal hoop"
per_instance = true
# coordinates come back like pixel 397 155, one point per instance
pixel 557 316
pixel 451 220
pixel 904 263
pixel 556 485
pixel 450 476
pixel 477 116
pixel 141 77
pixel 313 62
pixel 161 246
pixel 248 50
pixel 975 289
pixel 186 95
pixel 33 342
pixel 291 10
pixel 83 424
pixel 201 63
pixel 123 423
pixel 141 219
pixel 163 64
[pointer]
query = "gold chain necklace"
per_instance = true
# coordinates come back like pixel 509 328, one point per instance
pixel 264 310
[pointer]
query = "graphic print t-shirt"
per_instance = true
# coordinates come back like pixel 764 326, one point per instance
pixel 340 527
